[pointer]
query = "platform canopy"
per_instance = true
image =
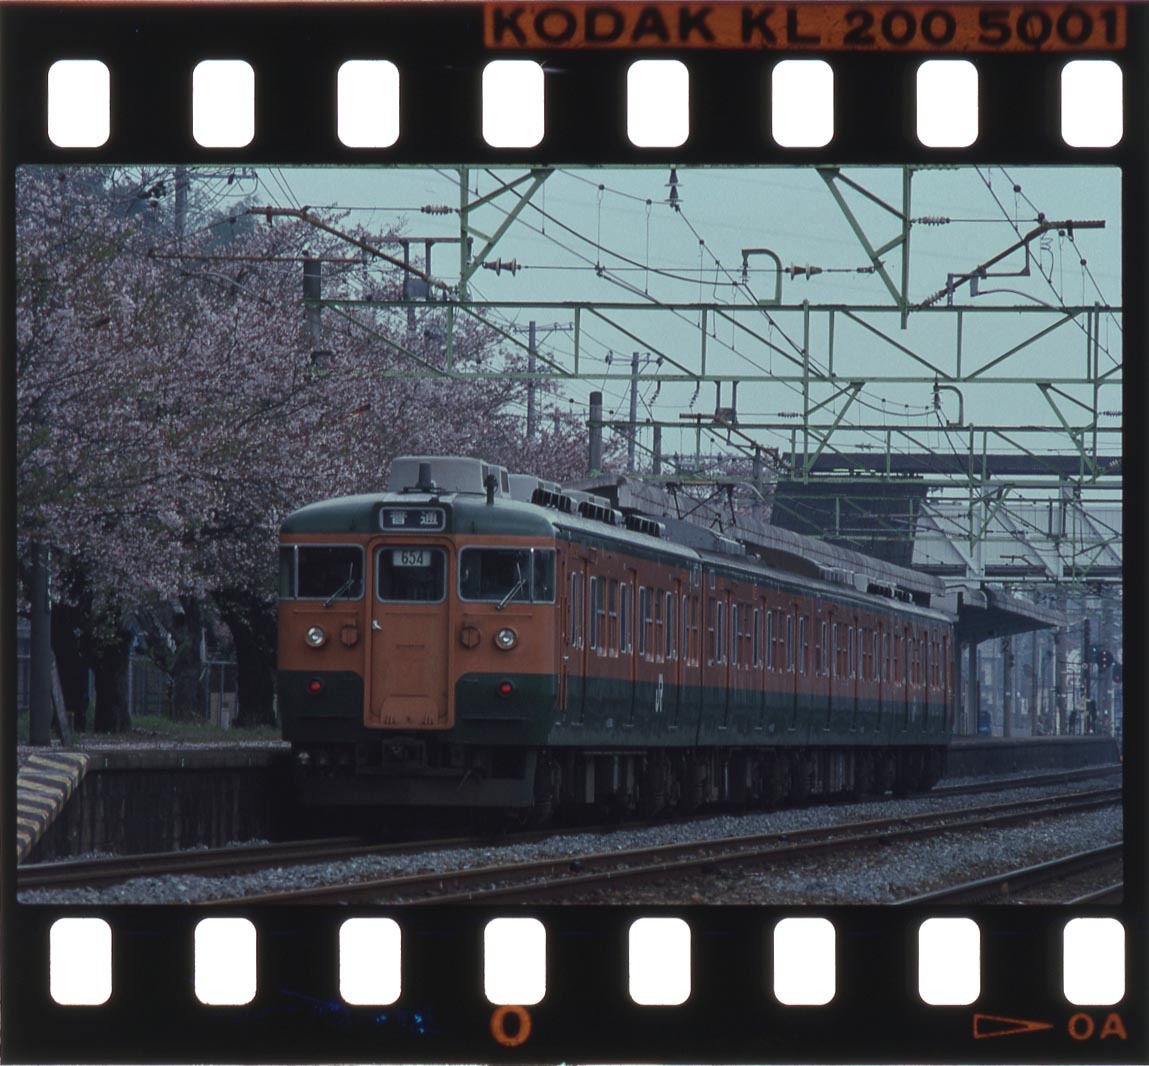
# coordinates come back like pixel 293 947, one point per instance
pixel 987 613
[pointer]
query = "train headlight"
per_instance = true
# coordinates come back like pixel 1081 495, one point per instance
pixel 315 637
pixel 506 638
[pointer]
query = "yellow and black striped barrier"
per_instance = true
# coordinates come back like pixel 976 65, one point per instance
pixel 43 785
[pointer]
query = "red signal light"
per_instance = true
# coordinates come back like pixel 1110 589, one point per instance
pixel 315 686
pixel 505 689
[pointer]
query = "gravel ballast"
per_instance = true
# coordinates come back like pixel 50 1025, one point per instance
pixel 894 871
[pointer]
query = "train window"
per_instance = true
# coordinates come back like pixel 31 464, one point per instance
pixel 411 574
pixel 769 640
pixel 612 617
pixel 597 614
pixel 330 572
pixel 875 662
pixel 644 648
pixel 287 573
pixel 572 608
pixel 790 643
pixel 757 639
pixel 517 575
pixel 671 624
pixel 885 657
pixel 735 632
pixel 720 627
pixel 625 640
pixel 659 642
pixel 542 575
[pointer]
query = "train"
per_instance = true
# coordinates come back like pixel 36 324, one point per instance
pixel 474 638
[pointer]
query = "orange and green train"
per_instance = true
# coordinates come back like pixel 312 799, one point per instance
pixel 446 644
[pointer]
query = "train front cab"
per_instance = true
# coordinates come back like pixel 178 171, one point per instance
pixel 416 669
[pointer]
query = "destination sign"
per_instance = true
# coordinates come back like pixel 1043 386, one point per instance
pixel 953 27
pixel 412 519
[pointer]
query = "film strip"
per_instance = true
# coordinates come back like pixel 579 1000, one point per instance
pixel 575 991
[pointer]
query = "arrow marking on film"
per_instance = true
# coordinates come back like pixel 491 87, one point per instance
pixel 987 1025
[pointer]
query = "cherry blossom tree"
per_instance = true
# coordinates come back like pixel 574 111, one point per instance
pixel 172 406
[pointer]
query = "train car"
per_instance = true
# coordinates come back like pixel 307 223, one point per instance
pixel 443 644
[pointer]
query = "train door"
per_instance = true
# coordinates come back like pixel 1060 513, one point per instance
pixel 409 638
pixel 690 700
pixel 761 653
pixel 882 670
pixel 673 665
pixel 582 654
pixel 907 676
pixel 728 622
pixel 794 659
pixel 829 663
pixel 568 639
pixel 630 617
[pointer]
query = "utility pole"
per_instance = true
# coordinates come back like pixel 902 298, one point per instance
pixel 1007 687
pixel 182 183
pixel 531 350
pixel 1034 683
pixel 633 413
pixel 40 688
pixel 595 426
pixel 1085 664
pixel 312 291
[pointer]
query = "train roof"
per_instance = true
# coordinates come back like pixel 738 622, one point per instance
pixel 473 514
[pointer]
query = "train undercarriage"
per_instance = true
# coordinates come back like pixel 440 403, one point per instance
pixel 535 783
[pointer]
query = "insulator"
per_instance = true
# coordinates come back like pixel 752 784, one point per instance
pixel 933 220
pixel 436 209
pixel 498 266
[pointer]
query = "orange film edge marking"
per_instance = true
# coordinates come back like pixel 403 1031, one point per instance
pixel 810 26
pixel 986 1026
pixel 499 1025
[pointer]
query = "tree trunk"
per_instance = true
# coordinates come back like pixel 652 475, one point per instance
pixel 113 715
pixel 68 632
pixel 252 621
pixel 186 691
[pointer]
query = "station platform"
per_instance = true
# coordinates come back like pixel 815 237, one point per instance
pixel 129 795
pixel 969 756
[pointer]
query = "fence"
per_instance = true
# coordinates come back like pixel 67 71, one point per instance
pixel 149 687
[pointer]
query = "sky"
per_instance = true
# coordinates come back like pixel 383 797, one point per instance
pixel 600 235
pixel 648 240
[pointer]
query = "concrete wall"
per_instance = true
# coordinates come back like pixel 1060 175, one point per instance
pixel 999 755
pixel 146 801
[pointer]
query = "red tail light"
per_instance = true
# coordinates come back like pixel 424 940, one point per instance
pixel 315 686
pixel 505 689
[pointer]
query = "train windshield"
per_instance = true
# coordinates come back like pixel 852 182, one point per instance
pixel 411 574
pixel 512 575
pixel 327 572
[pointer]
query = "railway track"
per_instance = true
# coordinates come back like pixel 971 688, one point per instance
pixel 1054 777
pixel 235 859
pixel 1011 886
pixel 544 878
pixel 206 861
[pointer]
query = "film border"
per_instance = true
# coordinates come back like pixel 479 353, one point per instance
pixel 444 1016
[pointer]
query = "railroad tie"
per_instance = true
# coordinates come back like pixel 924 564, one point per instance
pixel 43 785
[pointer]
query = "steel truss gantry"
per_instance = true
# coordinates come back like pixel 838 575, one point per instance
pixel 980 362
